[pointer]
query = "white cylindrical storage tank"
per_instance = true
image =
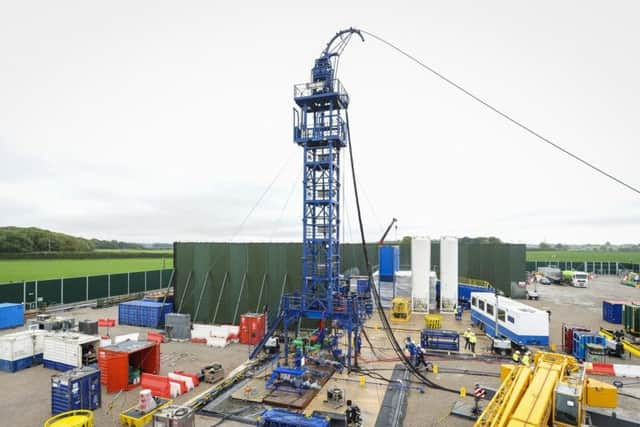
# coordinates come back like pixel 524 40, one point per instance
pixel 448 274
pixel 420 268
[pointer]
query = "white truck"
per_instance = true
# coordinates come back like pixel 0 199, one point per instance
pixel 578 279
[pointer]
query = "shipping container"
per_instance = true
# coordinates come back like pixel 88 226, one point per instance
pixel 389 259
pixel 122 364
pixel 252 328
pixel 75 389
pixel 21 350
pixel 612 311
pixel 11 315
pixel 580 341
pixel 64 351
pixel 631 318
pixel 149 314
pixel 567 336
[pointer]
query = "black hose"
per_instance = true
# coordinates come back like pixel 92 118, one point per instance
pixel 386 326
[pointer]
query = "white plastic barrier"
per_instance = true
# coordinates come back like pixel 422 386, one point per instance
pixel 188 380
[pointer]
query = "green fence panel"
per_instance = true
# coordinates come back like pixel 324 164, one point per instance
pixel 119 284
pixel 12 292
pixel 136 282
pixel 50 291
pixel 75 290
pixel 98 287
pixel 31 292
pixel 153 279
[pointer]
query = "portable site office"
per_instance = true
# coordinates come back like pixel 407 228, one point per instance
pixel 65 351
pixel 121 365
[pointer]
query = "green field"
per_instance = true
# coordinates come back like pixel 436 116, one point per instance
pixel 578 256
pixel 40 269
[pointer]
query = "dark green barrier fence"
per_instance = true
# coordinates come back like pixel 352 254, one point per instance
pixel 79 289
pixel 217 282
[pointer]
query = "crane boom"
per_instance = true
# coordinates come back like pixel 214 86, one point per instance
pixel 556 390
pixel 386 232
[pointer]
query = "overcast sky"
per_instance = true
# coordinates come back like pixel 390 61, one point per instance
pixel 161 121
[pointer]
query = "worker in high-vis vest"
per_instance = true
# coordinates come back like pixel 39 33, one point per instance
pixel 466 335
pixel 472 342
pixel 526 359
pixel 516 357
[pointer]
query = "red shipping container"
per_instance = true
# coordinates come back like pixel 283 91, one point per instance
pixel 252 328
pixel 114 362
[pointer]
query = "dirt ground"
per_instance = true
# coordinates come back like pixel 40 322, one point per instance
pixel 26 401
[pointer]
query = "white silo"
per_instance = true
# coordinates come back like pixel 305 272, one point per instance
pixel 448 274
pixel 420 269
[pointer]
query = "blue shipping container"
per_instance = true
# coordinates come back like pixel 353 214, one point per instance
pixel 580 341
pixel 612 311
pixel 11 315
pixel 389 259
pixel 143 313
pixel 76 389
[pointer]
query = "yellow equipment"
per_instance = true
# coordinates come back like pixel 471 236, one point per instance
pixel 132 417
pixel 79 418
pixel 433 321
pixel 400 309
pixel 633 349
pixel 557 389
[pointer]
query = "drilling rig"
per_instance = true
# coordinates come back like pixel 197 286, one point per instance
pixel 321 129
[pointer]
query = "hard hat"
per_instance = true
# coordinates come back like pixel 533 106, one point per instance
pixel 517 352
pixel 528 353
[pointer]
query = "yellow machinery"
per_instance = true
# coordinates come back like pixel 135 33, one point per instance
pixel 400 309
pixel 633 349
pixel 556 390
pixel 132 417
pixel 79 418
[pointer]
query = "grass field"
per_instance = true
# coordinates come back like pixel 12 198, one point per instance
pixel 40 269
pixel 577 256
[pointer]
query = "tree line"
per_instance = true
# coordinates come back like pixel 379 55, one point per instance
pixel 32 239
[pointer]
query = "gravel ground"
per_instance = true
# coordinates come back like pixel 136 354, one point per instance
pixel 27 398
pixel 26 401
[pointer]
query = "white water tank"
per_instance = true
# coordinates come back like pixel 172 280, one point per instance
pixel 420 269
pixel 448 274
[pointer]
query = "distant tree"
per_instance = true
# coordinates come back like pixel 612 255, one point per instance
pixel 545 245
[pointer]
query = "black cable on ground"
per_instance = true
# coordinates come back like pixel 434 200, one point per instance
pixel 502 114
pixel 386 326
